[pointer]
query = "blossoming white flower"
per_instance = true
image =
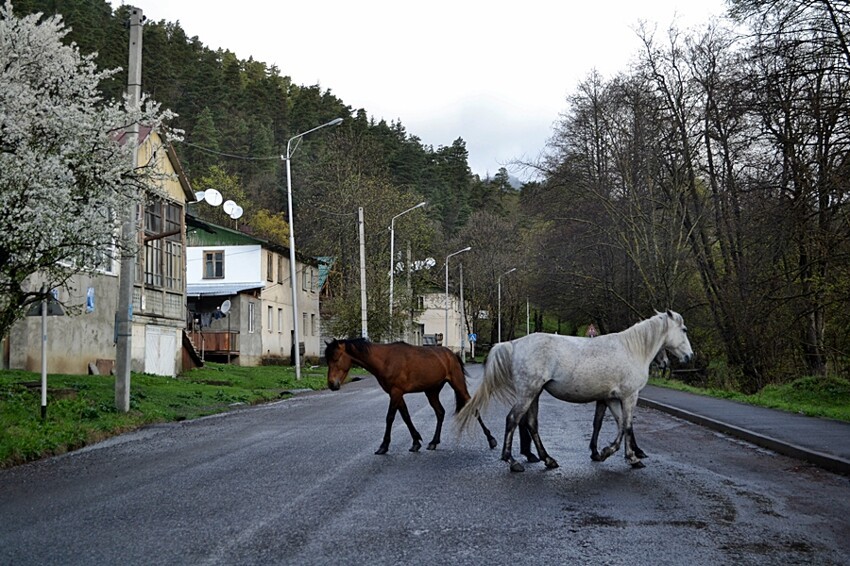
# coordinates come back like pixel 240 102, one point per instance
pixel 63 169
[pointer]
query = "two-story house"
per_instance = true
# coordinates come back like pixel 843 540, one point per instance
pixel 430 322
pixel 240 298
pixel 86 335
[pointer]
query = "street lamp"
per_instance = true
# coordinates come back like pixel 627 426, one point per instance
pixel 292 277
pixel 511 270
pixel 446 335
pixel 392 258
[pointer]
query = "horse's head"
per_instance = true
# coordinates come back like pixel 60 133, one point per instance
pixel 339 362
pixel 676 339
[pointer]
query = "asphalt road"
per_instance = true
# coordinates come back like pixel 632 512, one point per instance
pixel 296 482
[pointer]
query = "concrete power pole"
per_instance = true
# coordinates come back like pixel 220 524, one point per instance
pixel 129 235
pixel 363 313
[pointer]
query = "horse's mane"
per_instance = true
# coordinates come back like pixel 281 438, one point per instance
pixel 359 345
pixel 642 336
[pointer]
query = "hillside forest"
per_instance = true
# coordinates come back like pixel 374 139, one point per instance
pixel 711 177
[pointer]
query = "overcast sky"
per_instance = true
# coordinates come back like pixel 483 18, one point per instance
pixel 494 73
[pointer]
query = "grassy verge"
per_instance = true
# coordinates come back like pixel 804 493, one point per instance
pixel 81 408
pixel 827 397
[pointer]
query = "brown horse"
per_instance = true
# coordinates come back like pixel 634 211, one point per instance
pixel 401 368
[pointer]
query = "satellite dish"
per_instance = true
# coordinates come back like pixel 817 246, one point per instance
pixel 237 212
pixel 228 206
pixel 213 197
pixel 199 196
pixel 225 306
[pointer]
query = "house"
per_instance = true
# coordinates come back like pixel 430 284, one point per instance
pixel 85 337
pixel 240 298
pixel 429 326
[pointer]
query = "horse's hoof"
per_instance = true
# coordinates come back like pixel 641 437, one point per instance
pixel 517 467
pixel 596 457
pixel 640 454
pixel 531 458
pixel 432 446
pixel 492 442
pixel 638 465
pixel 416 446
pixel 551 463
pixel 381 450
pixel 606 452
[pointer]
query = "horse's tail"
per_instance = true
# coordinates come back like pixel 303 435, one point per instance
pixel 498 382
pixel 460 392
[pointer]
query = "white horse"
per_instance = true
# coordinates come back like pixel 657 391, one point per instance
pixel 661 362
pixel 612 368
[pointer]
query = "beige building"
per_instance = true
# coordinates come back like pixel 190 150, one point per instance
pixel 430 322
pixel 86 333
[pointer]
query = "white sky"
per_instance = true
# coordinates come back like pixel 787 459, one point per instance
pixel 495 73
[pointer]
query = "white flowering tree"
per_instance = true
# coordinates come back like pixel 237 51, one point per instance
pixel 65 176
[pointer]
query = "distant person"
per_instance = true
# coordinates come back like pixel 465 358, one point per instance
pixel 591 331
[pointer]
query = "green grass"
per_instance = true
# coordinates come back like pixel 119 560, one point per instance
pixel 827 397
pixel 81 408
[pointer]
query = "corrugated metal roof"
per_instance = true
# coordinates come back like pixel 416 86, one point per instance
pixel 219 289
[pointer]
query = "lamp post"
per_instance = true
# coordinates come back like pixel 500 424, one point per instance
pixel 392 258
pixel 511 270
pixel 446 335
pixel 292 276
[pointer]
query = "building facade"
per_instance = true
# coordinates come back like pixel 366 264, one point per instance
pixel 85 336
pixel 240 298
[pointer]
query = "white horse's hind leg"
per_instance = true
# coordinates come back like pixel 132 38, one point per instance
pixel 629 405
pixel 617 409
pixel 517 412
pixel 531 422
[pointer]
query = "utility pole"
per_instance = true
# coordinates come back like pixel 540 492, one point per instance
pixel 363 316
pixel 462 318
pixel 129 234
pixel 409 295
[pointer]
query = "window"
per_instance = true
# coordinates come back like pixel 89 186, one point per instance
pixel 312 325
pixel 304 327
pixel 214 265
pixel 270 325
pixel 251 326
pixel 269 266
pixel 307 278
pixel 280 321
pixel 280 269
pixel 164 245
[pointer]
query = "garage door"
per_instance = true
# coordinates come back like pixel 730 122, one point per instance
pixel 160 350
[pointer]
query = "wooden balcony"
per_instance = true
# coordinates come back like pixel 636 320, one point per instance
pixel 216 343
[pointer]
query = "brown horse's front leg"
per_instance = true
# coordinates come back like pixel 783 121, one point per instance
pixel 385 444
pixel 434 399
pixel 397 404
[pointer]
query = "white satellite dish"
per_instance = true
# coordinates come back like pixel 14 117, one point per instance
pixel 213 197
pixel 228 206
pixel 199 196
pixel 237 212
pixel 225 306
